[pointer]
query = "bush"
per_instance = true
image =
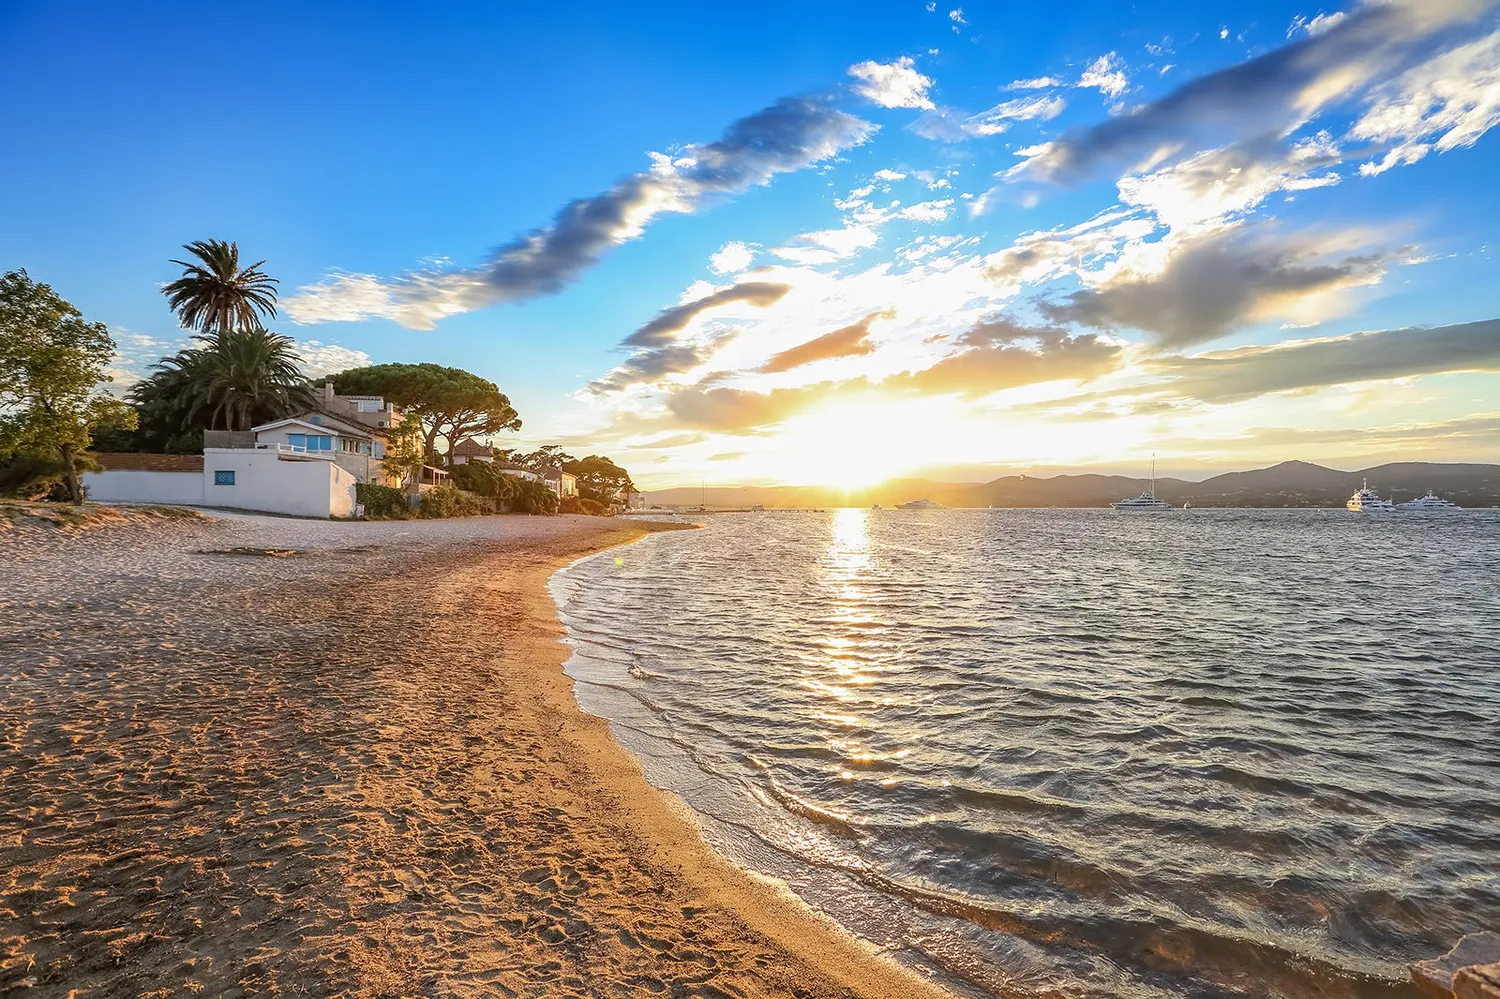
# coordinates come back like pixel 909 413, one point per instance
pixel 385 502
pixel 582 504
pixel 446 501
pixel 533 497
pixel 481 478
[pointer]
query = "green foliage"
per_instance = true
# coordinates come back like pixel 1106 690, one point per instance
pixel 232 381
pixel 52 363
pixel 404 452
pixel 216 295
pixel 531 496
pixel 39 477
pixel 601 480
pixel 582 504
pixel 382 502
pixel 484 479
pixel 446 501
pixel 450 403
pixel 543 458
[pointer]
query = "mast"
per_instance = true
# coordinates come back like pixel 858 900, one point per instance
pixel 1153 475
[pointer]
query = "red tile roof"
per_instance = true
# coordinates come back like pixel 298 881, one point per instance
pixel 124 461
pixel 473 449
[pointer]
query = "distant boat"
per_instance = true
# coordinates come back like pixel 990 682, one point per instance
pixel 1146 502
pixel 1367 500
pixel 875 506
pixel 1187 504
pixel 1428 504
pixel 920 504
pixel 757 508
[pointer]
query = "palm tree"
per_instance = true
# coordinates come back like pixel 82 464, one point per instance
pixel 236 379
pixel 218 295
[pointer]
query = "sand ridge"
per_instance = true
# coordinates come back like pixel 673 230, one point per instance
pixel 354 769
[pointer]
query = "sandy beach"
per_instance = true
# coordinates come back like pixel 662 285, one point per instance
pixel 352 766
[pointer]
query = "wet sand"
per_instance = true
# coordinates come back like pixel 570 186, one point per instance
pixel 352 767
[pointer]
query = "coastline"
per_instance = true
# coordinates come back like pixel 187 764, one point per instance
pixel 357 770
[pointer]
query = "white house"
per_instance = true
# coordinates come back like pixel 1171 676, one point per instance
pixel 564 484
pixel 270 480
pixel 358 450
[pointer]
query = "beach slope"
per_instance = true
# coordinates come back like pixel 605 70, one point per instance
pixel 250 756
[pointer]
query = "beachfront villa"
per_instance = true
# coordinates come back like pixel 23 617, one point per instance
pixel 466 451
pixel 563 484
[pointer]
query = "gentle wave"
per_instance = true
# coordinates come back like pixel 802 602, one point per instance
pixel 1229 753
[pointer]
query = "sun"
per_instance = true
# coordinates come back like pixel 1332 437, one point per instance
pixel 849 446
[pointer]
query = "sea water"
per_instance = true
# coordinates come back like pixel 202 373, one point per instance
pixel 1211 753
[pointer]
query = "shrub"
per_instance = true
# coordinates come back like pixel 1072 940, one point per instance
pixel 446 501
pixel 592 507
pixel 533 497
pixel 480 478
pixel 385 502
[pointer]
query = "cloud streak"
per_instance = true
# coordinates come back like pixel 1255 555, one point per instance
pixel 1247 372
pixel 1269 95
pixel 850 341
pixel 789 135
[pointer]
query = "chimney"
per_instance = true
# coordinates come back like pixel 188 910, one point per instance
pixel 328 393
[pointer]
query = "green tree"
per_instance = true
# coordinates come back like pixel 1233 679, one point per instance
pixel 52 363
pixel 217 295
pixel 451 404
pixel 545 457
pixel 232 380
pixel 600 479
pixel 405 454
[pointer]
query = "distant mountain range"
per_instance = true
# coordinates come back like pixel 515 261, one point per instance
pixel 1289 484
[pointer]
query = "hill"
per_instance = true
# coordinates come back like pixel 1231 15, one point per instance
pixel 1288 484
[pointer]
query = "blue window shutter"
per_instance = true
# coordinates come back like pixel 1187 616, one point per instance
pixel 297 440
pixel 224 477
pixel 325 443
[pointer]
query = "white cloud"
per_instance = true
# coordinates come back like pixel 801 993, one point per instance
pixel 1315 25
pixel 731 258
pixel 1443 104
pixel 998 118
pixel 1036 83
pixel 1106 74
pixel 1223 33
pixel 957 16
pixel 889 176
pixel 1217 183
pixel 892 85
pixel 320 359
pixel 927 211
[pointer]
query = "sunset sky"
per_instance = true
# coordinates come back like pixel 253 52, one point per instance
pixel 813 243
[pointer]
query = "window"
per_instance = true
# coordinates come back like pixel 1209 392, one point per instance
pixel 324 442
pixel 297 440
pixel 380 449
pixel 224 478
pixel 315 420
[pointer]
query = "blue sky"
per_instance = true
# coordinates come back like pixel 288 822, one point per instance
pixel 813 242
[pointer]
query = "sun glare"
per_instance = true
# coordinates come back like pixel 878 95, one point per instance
pixel 849 446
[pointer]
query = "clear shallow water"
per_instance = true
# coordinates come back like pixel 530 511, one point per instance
pixel 1218 753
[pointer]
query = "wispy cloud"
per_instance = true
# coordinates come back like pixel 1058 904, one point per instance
pixel 787 136
pixel 1269 95
pixel 850 341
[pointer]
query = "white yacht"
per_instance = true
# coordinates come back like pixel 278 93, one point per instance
pixel 1146 502
pixel 1368 500
pixel 1428 503
pixel 920 504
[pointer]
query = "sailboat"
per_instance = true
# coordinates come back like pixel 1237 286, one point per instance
pixel 1146 502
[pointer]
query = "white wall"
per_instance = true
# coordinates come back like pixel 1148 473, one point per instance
pixel 308 487
pixel 138 486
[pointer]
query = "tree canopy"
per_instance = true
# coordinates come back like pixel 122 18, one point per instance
pixel 232 380
pixel 217 295
pixel 52 363
pixel 452 404
pixel 600 479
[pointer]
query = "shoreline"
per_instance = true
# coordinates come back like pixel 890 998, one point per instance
pixel 224 774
